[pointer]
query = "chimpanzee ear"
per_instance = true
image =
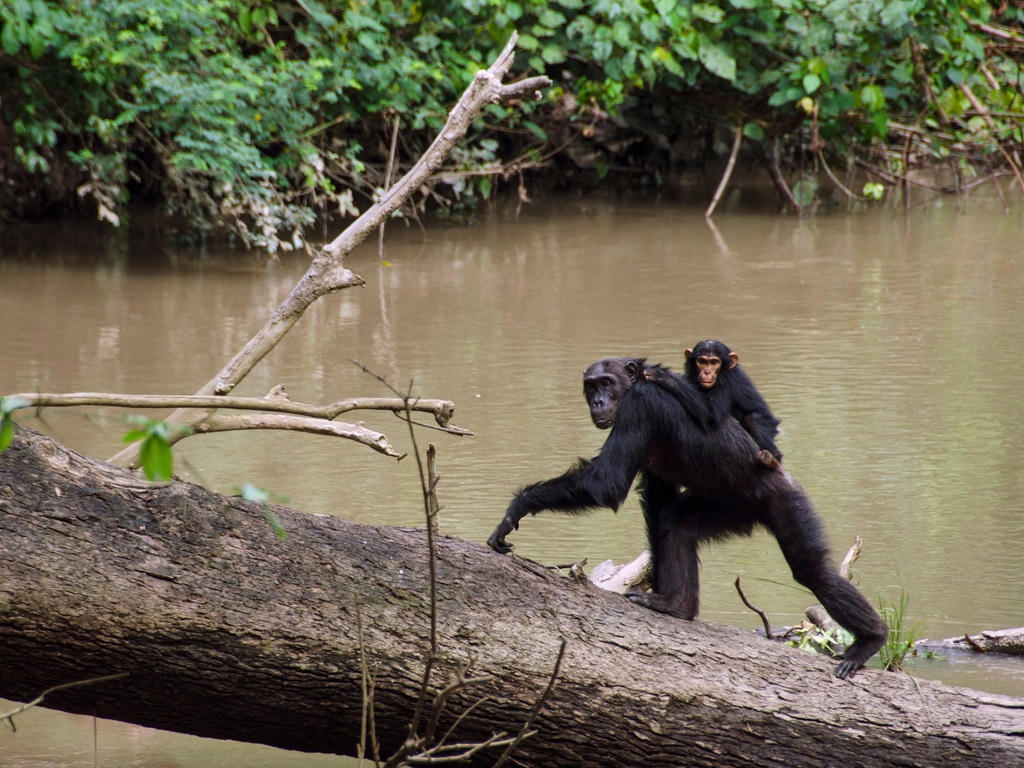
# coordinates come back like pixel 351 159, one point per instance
pixel 632 370
pixel 734 358
pixel 689 354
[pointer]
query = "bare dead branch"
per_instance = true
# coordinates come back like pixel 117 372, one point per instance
pixel 355 432
pixel 828 170
pixel 852 554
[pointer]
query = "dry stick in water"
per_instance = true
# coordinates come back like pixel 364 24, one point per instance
pixel 388 175
pixel 736 142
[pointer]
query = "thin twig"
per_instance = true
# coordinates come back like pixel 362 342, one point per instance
pixel 432 479
pixel 755 609
pixel 780 181
pixel 8 717
pixel 364 680
pixel 327 273
pixel 846 190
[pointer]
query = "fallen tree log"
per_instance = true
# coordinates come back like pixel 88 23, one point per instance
pixel 225 630
pixel 1007 641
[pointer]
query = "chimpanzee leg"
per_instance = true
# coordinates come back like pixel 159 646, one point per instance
pixel 655 493
pixel 686 521
pixel 802 538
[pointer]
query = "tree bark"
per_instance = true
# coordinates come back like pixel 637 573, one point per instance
pixel 228 631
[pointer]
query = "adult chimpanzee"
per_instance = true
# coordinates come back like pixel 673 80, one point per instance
pixel 728 493
pixel 714 368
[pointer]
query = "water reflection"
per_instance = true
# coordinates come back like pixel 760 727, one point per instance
pixel 886 341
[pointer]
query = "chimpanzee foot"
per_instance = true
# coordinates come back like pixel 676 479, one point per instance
pixel 659 603
pixel 858 653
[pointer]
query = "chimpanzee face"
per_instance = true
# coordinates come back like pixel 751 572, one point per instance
pixel 604 384
pixel 707 370
pixel 706 363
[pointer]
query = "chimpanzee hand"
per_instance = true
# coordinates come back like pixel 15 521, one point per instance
pixel 497 539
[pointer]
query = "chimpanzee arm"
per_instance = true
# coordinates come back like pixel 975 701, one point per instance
pixel 697 406
pixel 759 428
pixel 603 482
pixel 751 410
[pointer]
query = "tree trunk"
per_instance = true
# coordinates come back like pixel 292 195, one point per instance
pixel 228 631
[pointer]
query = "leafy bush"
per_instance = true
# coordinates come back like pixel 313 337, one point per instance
pixel 253 117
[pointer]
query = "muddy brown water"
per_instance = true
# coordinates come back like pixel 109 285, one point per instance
pixel 888 341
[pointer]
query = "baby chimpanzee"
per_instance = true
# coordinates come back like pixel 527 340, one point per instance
pixel 714 368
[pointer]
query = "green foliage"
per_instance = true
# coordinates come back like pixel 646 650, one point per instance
pixel 155 457
pixel 251 117
pixel 873 190
pixel 902 634
pixel 8 405
pixel 813 639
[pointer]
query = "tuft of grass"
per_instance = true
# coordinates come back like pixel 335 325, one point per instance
pixel 902 634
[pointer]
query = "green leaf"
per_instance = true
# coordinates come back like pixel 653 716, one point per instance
pixel 873 190
pixel 529 42
pixel 9 39
pixel 156 459
pixel 258 495
pixel 804 191
pixel 275 524
pixel 754 132
pixel 553 54
pixel 536 130
pixel 872 97
pixel 717 59
pixel 708 12
pixel 665 7
pixel 6 433
pixel 254 493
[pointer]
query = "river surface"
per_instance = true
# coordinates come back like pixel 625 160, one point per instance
pixel 888 341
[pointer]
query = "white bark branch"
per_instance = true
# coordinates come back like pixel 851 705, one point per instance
pixel 442 410
pixel 357 432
